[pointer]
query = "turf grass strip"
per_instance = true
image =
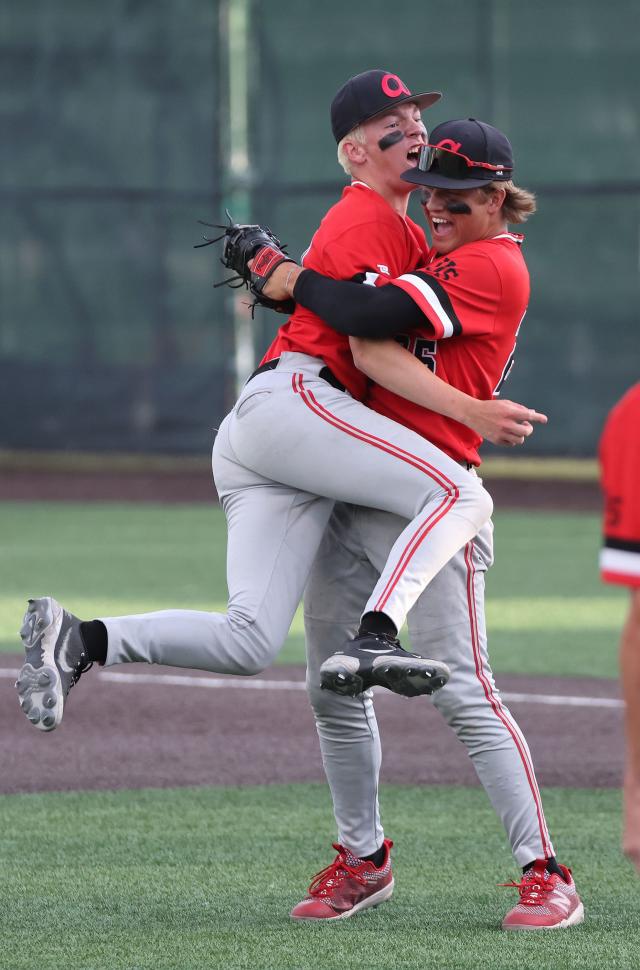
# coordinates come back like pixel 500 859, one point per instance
pixel 202 878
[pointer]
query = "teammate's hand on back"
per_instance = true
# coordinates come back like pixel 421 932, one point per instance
pixel 504 422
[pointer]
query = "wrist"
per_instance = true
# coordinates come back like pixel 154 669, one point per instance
pixel 288 285
pixel 297 282
pixel 291 278
pixel 466 409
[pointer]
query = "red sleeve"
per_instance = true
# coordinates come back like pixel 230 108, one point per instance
pixel 458 295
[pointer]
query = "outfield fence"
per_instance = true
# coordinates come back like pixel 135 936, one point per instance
pixel 125 123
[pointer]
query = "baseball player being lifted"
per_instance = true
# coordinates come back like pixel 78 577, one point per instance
pixel 295 442
pixel 459 316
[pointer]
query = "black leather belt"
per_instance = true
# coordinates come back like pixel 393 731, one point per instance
pixel 325 374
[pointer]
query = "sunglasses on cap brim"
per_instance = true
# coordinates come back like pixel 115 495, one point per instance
pixel 453 165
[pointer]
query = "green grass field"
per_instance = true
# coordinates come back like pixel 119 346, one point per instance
pixel 204 878
pixel 547 611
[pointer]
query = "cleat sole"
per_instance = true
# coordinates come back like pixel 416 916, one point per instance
pixel 38 697
pixel 342 681
pixel 54 661
pixel 402 673
pixel 410 680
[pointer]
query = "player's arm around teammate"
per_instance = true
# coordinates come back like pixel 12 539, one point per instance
pixel 376 313
pixel 392 366
pixel 352 310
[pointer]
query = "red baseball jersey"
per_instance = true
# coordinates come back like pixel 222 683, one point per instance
pixel 361 233
pixel 478 295
pixel 620 479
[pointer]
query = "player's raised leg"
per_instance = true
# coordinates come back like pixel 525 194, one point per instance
pixel 339 448
pixel 273 534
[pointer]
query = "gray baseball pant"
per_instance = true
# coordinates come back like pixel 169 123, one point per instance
pixel 291 446
pixel 446 623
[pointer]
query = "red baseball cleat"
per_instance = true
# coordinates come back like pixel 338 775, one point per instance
pixel 346 886
pixel 547 901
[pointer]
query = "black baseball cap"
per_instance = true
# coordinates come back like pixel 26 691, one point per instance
pixel 369 94
pixel 454 146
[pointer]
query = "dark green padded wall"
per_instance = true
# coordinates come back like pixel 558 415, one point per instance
pixel 113 143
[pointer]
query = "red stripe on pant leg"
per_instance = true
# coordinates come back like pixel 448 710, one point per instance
pixel 445 506
pixel 322 412
pixel 496 704
pixel 414 543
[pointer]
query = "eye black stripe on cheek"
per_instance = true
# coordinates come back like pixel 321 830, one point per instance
pixel 458 208
pixel 391 139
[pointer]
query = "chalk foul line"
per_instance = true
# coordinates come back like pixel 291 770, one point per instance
pixel 255 683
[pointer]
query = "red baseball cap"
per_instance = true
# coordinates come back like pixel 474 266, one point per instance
pixel 369 94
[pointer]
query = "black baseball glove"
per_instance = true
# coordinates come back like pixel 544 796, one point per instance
pixel 245 243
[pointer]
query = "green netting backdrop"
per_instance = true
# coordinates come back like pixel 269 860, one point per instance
pixel 114 139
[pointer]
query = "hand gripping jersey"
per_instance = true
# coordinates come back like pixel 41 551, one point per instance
pixel 620 479
pixel 477 295
pixel 361 233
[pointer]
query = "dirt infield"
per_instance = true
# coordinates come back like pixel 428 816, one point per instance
pixel 128 728
pixel 197 486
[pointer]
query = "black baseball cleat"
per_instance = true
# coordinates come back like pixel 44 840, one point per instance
pixel 55 659
pixel 378 660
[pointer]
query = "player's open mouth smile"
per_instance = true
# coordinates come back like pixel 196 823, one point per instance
pixel 413 155
pixel 441 227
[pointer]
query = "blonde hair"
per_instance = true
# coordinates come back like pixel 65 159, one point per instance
pixel 356 134
pixel 518 203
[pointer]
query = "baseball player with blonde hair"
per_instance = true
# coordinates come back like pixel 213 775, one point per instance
pixel 298 439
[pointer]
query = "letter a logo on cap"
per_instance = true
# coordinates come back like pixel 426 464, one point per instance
pixel 393 87
pixel 450 145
